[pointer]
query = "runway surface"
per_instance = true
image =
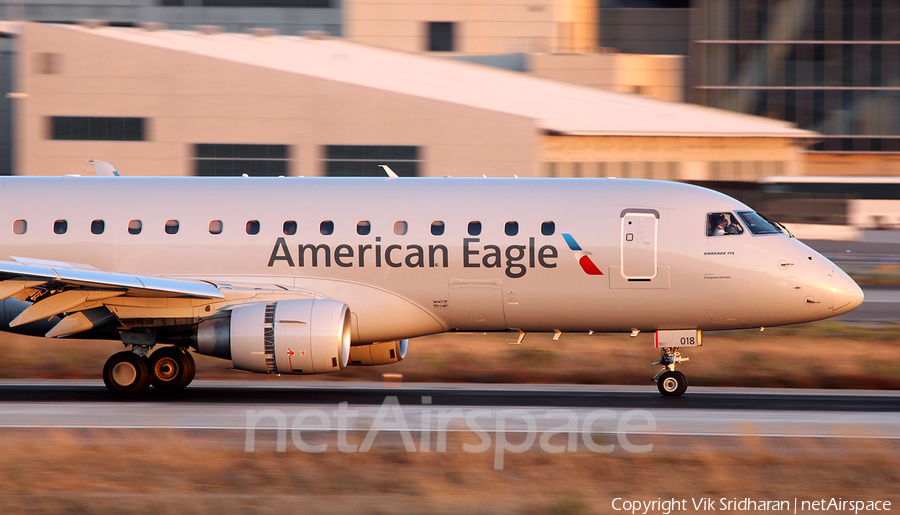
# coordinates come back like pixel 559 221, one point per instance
pixel 314 406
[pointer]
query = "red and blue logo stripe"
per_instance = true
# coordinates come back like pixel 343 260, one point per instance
pixel 582 256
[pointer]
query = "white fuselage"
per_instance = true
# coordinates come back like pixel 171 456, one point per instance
pixel 400 280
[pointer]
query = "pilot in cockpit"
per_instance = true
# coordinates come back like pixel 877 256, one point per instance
pixel 720 224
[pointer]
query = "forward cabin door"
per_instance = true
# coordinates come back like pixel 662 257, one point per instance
pixel 637 253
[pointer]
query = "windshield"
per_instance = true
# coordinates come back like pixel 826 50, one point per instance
pixel 757 224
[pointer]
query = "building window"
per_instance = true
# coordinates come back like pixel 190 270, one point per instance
pixel 400 228
pixel 363 160
pixel 135 226
pixel 253 227
pixel 326 227
pixel 289 228
pixel 440 36
pixel 235 160
pixel 363 228
pixel 20 226
pixel 215 227
pixel 511 229
pixel 60 227
pixel 97 128
pixel 474 228
pixel 548 228
pixel 172 227
pixel 437 228
pixel 97 226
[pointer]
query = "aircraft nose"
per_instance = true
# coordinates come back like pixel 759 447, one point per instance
pixel 846 295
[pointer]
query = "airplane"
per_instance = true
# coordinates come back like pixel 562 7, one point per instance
pixel 309 275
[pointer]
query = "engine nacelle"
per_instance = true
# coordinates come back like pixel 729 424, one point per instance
pixel 306 336
pixel 379 353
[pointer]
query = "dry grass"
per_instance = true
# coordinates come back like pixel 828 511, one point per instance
pixel 820 355
pixel 163 471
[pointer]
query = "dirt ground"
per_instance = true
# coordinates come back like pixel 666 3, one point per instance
pixel 82 471
pixel 163 471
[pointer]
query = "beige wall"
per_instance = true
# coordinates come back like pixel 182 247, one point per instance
pixel 482 26
pixel 718 159
pixel 658 76
pixel 859 165
pixel 191 99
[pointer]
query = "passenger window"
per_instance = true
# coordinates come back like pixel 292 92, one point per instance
pixel 20 226
pixel 289 228
pixel 437 228
pixel 215 227
pixel 400 228
pixel 512 228
pixel 326 227
pixel 548 228
pixel 172 227
pixel 59 226
pixel 363 227
pixel 97 226
pixel 474 228
pixel 135 226
pixel 722 224
pixel 253 227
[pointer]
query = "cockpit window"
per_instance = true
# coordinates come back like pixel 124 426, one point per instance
pixel 722 224
pixel 757 224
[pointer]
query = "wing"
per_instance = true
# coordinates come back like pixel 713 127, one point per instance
pixel 85 297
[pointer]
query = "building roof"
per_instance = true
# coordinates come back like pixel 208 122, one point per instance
pixel 555 107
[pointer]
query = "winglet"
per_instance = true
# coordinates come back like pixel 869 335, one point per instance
pixel 387 169
pixel 104 168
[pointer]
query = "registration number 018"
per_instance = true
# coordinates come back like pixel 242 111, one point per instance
pixel 682 338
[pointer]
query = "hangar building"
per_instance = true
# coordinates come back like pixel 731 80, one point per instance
pixel 165 102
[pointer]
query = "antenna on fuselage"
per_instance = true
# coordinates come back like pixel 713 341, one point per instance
pixel 104 168
pixel 390 173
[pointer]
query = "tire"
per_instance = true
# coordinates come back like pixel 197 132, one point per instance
pixel 672 384
pixel 170 369
pixel 192 368
pixel 126 372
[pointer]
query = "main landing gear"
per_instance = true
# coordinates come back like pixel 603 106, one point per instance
pixel 670 382
pixel 169 368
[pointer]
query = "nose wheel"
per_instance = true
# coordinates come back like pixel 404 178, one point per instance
pixel 670 382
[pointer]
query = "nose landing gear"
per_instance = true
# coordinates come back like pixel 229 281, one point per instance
pixel 670 382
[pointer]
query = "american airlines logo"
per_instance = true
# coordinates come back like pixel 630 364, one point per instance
pixel 515 259
pixel 582 256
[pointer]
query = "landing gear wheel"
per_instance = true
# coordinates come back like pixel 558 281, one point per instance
pixel 672 383
pixel 170 369
pixel 126 372
pixel 192 368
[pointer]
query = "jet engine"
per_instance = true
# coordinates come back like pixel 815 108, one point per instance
pixel 379 353
pixel 305 336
